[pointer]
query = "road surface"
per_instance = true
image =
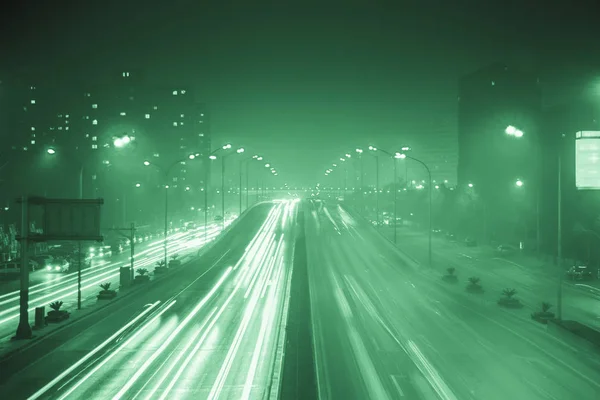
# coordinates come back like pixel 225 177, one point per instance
pixel 384 328
pixel 535 283
pixel 63 287
pixel 208 332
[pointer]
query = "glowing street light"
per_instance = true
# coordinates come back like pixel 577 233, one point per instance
pixel 146 163
pixel 519 183
pixel 51 151
pixel 512 131
pixel 138 185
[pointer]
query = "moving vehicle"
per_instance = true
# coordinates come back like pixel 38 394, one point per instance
pixel 58 265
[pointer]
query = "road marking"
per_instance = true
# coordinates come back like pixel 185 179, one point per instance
pixel 397 385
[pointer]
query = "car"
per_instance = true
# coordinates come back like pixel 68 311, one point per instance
pixel 580 273
pixel 470 242
pixel 505 249
pixel 59 265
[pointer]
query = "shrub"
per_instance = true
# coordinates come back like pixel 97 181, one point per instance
pixel 451 270
pixel 474 281
pixel 105 286
pixel 56 305
pixel 142 271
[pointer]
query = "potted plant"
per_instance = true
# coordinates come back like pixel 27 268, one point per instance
pixel 106 293
pixel 474 285
pixel 160 268
pixel 545 315
pixel 56 314
pixel 508 300
pixel 175 261
pixel 450 275
pixel 142 275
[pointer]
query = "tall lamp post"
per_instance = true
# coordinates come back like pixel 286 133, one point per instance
pixel 121 141
pixel 404 155
pixel 246 163
pixel 166 172
pixel 212 156
pixel 238 151
pixel 374 150
pixel 517 133
pixel 395 157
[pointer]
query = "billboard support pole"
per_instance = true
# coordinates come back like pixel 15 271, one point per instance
pixel 24 329
pixel 79 277
pixel 559 242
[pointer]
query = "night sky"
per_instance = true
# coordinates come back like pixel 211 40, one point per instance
pixel 304 81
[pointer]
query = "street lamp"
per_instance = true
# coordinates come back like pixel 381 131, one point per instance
pixel 519 183
pixel 402 156
pixel 51 151
pixel 512 131
pixel 238 151
pixel 166 172
pixel 374 150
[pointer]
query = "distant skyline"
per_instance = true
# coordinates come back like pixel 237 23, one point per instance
pixel 299 84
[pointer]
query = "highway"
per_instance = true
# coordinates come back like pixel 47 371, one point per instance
pixel 386 328
pixel 210 331
pixel 63 287
pixel 534 283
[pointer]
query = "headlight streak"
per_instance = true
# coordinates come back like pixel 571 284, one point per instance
pixel 91 282
pixel 257 265
pixel 172 336
pixel 266 322
pixel 116 351
pixel 260 266
pixel 177 360
pixel 234 347
pixel 73 367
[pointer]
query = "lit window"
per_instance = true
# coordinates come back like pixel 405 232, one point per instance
pixel 87 135
pixel 32 101
pixel 87 95
pixel 60 128
pixel 67 122
pixel 147 116
pixel 33 142
pixel 174 92
pixel 66 128
pixel 131 98
pixel 94 146
pixel 33 128
pixel 156 107
pixel 32 88
pixel 181 123
pixel 25 148
pixel 24 108
pixel 123 114
pixel 33 135
pixel 67 116
pixel 493 83
pixel 87 117
pixel 94 138
pixel 94 105
pixel 125 74
pixel 51 128
pixel 202 115
pixel 201 134
pixel 174 123
pixel 182 116
pixel 59 115
pixel 183 92
pixel 95 122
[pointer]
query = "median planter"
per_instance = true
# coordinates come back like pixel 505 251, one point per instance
pixel 543 316
pixel 474 286
pixel 508 300
pixel 175 261
pixel 450 275
pixel 142 276
pixel 56 314
pixel 106 293
pixel 160 268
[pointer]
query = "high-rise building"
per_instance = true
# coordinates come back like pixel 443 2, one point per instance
pixel 499 110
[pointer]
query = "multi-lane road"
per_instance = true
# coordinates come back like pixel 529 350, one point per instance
pixel 386 329
pixel 50 286
pixel 209 331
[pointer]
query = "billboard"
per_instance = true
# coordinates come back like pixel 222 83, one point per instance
pixel 587 160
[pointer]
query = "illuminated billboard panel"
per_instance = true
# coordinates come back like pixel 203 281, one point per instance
pixel 587 160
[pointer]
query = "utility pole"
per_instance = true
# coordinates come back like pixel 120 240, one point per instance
pixel 24 329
